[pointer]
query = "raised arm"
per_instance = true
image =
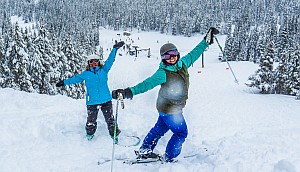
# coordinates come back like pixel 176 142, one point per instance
pixel 111 58
pixel 194 55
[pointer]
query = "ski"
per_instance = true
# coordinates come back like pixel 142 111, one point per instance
pixel 141 158
pixel 156 158
pixel 148 160
pixel 105 160
pixel 143 161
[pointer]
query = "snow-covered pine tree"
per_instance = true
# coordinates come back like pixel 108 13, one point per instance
pixel 6 36
pixel 1 48
pixel 241 37
pixel 174 25
pixel 282 40
pixel 35 66
pixel 55 75
pixel 253 39
pixel 184 26
pixel 228 48
pixel 271 27
pixel 75 64
pixel 236 42
pixel 1 60
pixel 228 25
pixel 203 25
pixel 245 52
pixel 163 24
pixel 47 54
pixel 18 61
pixel 62 65
pixel 292 84
pixel 281 72
pixel 6 30
pixel 263 79
pixel 261 46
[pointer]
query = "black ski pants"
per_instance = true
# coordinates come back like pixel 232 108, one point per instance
pixel 92 111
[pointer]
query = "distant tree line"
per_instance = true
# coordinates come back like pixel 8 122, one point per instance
pixel 67 30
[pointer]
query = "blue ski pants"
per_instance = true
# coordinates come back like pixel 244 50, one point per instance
pixel 166 122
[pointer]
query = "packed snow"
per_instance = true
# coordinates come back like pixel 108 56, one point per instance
pixel 231 127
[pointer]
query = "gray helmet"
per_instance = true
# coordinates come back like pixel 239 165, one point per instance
pixel 167 47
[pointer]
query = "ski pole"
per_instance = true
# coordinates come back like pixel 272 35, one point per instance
pixel 120 98
pixel 236 81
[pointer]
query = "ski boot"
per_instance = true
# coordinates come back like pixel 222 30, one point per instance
pixel 89 137
pixel 146 154
pixel 116 140
pixel 166 159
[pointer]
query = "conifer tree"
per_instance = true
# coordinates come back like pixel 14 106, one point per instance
pixel 35 65
pixel 1 60
pixel 228 27
pixel 292 84
pixel 261 46
pixel 228 48
pixel 282 40
pixel 75 64
pixel 263 79
pixel 47 55
pixel 174 27
pixel 281 75
pixel 253 39
pixel 18 61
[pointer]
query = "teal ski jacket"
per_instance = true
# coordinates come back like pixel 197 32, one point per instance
pixel 97 91
pixel 160 76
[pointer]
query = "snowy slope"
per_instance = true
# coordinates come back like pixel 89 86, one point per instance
pixel 242 130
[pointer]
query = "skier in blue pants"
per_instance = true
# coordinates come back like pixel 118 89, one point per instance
pixel 173 77
pixel 166 122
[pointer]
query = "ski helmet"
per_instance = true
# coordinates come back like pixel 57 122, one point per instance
pixel 94 56
pixel 167 47
pixel 164 49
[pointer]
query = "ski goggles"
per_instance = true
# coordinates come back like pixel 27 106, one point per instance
pixel 93 61
pixel 169 54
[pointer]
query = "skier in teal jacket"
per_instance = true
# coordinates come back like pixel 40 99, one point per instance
pixel 98 95
pixel 173 77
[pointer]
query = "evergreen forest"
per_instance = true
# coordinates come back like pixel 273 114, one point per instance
pixel 65 32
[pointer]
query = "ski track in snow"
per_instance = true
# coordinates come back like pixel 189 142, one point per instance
pixel 242 130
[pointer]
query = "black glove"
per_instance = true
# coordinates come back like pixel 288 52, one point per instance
pixel 60 83
pixel 127 93
pixel 119 44
pixel 209 37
